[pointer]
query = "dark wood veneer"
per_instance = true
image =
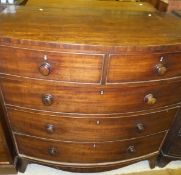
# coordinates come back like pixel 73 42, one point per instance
pixel 124 68
pixel 89 128
pixel 77 152
pixel 84 85
pixel 88 99
pixel 71 67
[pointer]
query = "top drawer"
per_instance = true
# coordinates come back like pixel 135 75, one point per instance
pixel 67 67
pixel 133 68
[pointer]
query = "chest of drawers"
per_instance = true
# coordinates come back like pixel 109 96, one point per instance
pixel 83 95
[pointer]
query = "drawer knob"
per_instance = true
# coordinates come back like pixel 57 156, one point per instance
pixel 140 127
pixel 131 149
pixel 45 69
pixel 150 99
pixel 161 69
pixel 50 128
pixel 47 99
pixel 52 151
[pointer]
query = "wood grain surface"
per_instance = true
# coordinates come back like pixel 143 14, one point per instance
pixel 71 67
pixel 88 99
pixel 89 82
pixel 88 128
pixel 97 4
pixel 90 26
pixel 77 152
pixel 132 68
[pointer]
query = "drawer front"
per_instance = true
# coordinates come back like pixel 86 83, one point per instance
pixel 51 65
pixel 90 100
pixel 76 152
pixel 74 128
pixel 145 67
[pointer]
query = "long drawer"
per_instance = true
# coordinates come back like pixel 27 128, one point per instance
pixel 143 67
pixel 76 152
pixel 86 128
pixel 72 67
pixel 53 96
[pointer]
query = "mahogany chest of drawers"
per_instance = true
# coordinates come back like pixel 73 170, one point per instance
pixel 85 92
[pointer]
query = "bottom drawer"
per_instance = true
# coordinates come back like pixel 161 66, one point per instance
pixel 80 152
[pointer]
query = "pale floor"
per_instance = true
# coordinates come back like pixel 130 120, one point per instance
pixel 34 169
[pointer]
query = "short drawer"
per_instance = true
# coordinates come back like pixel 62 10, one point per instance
pixel 145 67
pixel 88 128
pixel 79 152
pixel 53 96
pixel 59 66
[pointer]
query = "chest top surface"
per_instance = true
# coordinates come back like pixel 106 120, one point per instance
pixel 88 24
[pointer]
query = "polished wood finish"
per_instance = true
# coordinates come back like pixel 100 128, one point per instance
pixel 124 68
pixel 52 65
pixel 62 127
pixel 74 152
pixel 80 99
pixel 93 4
pixel 88 85
pixel 78 27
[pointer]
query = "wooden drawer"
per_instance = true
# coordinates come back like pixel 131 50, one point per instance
pixel 88 128
pixel 77 152
pixel 53 96
pixel 145 67
pixel 58 66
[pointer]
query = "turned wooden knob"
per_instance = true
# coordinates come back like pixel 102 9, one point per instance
pixel 150 99
pixel 47 99
pixel 140 127
pixel 161 69
pixel 50 128
pixel 52 151
pixel 131 149
pixel 45 69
